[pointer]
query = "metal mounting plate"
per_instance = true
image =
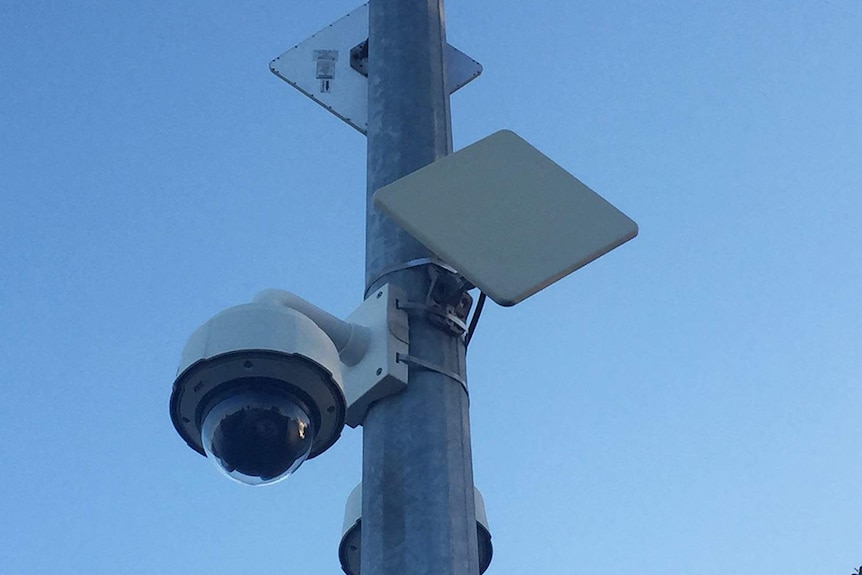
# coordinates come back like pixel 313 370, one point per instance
pixel 319 67
pixel 379 374
pixel 505 216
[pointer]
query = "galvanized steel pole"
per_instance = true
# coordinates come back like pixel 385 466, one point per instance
pixel 418 510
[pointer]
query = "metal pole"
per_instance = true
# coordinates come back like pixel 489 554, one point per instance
pixel 418 512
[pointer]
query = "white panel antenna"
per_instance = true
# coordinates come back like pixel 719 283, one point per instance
pixel 503 214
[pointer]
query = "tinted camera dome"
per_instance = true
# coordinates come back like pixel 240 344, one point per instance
pixel 257 438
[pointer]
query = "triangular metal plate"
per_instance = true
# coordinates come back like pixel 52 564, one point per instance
pixel 319 67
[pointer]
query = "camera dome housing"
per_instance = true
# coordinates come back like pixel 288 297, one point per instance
pixel 257 436
pixel 350 547
pixel 252 372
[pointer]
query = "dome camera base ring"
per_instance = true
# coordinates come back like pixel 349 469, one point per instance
pixel 201 383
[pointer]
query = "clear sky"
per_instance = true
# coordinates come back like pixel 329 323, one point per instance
pixel 690 403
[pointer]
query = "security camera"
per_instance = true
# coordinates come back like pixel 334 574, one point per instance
pixel 350 547
pixel 260 387
pixel 258 435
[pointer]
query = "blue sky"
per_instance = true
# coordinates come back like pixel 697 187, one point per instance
pixel 687 404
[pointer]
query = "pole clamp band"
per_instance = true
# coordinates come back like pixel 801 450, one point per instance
pixel 427 366
pixel 408 265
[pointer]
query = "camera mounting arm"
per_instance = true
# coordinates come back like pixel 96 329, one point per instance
pixel 350 339
pixel 369 345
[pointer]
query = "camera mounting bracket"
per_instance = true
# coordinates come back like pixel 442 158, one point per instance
pixel 379 373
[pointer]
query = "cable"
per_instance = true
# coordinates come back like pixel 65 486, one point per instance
pixel 475 319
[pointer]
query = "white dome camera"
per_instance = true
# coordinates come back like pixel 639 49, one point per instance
pixel 260 387
pixel 350 547
pixel 259 390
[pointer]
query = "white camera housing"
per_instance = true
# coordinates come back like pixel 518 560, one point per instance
pixel 284 346
pixel 253 344
pixel 350 547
